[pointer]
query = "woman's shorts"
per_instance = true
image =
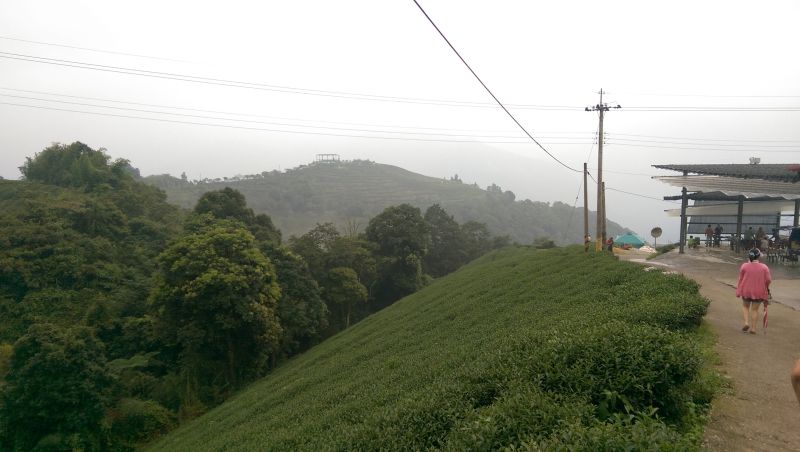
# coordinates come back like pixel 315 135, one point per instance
pixel 752 300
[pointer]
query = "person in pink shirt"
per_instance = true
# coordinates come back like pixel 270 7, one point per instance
pixel 753 288
pixel 796 379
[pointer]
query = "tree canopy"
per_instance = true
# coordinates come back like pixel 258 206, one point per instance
pixel 399 231
pixel 343 291
pixel 56 390
pixel 215 298
pixel 75 165
pixel 447 248
pixel 230 203
pixel 401 236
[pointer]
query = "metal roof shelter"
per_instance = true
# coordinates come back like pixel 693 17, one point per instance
pixel 755 191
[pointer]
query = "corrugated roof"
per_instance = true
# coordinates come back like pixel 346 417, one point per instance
pixel 748 187
pixel 718 196
pixel 784 172
pixel 770 208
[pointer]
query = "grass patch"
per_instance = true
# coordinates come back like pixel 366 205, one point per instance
pixel 521 349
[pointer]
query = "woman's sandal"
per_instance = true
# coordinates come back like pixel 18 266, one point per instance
pixel 745 328
pixel 752 331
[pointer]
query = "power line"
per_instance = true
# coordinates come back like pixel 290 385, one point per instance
pixel 577 195
pixel 614 134
pixel 351 95
pixel 629 193
pixel 490 91
pixel 83 104
pixel 266 87
pixel 112 52
pixel 639 195
pixel 229 126
pixel 706 144
pixel 49 93
pixel 702 149
pixel 710 109
pixel 52 44
pixel 734 96
pixel 574 205
pixel 345 129
pixel 554 135
pixel 626 172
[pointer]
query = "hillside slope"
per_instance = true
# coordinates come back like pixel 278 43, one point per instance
pixel 356 191
pixel 521 347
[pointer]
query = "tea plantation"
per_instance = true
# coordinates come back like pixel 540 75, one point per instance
pixel 522 349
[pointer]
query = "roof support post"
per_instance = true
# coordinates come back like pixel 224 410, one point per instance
pixel 684 203
pixel 796 221
pixel 739 223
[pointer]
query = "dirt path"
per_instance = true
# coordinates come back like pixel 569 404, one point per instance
pixel 761 412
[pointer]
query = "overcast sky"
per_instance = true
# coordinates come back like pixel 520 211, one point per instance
pixel 323 77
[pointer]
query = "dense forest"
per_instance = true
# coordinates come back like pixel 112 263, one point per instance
pixel 122 315
pixel 348 194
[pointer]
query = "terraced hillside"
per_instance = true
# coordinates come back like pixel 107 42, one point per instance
pixel 548 349
pixel 353 192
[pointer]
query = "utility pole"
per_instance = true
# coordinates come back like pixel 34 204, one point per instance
pixel 585 210
pixel 601 216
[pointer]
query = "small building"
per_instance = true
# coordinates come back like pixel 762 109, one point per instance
pixel 327 158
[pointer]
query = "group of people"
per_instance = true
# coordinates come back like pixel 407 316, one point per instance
pixel 753 289
pixel 756 239
pixel 609 243
pixel 713 235
pixel 751 238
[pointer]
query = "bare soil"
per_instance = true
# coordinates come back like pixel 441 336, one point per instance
pixel 759 412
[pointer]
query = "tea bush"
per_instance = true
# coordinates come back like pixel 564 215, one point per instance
pixel 522 349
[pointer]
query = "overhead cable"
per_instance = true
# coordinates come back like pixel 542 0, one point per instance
pixel 251 115
pixel 267 87
pixel 252 121
pixel 754 149
pixel 230 126
pixel 66 46
pixel 492 94
pixel 614 134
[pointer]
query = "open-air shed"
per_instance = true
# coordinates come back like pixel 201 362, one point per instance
pixel 740 194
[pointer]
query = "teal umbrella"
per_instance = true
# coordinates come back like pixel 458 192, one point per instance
pixel 629 239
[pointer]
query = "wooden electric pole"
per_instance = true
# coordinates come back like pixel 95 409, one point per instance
pixel 601 216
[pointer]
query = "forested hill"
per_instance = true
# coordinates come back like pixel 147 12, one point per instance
pixel 349 193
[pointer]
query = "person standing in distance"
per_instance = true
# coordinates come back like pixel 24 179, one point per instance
pixel 753 288
pixel 709 236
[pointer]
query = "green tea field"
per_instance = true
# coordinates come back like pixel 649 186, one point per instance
pixel 523 349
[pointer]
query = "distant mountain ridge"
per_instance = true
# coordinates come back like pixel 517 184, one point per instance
pixel 348 194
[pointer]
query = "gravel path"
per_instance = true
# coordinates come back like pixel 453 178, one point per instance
pixel 760 412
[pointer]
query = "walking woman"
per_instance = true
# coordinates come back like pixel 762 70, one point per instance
pixel 753 288
pixel 796 379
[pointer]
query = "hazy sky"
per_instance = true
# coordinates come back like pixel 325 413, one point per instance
pixel 727 71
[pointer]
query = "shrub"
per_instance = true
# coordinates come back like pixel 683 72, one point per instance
pixel 523 410
pixel 618 367
pixel 135 421
pixel 621 433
